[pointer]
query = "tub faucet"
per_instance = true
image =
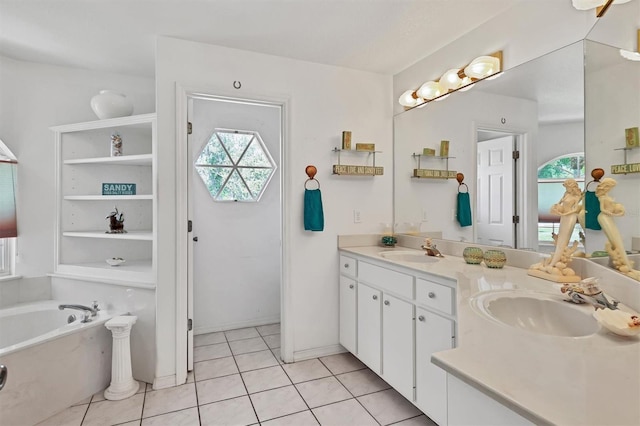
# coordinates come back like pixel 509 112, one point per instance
pixel 86 311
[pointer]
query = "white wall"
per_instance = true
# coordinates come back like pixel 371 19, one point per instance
pixel 559 138
pixel 34 97
pixel 323 101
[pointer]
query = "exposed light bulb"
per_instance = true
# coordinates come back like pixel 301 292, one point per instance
pixel 632 56
pixel 482 66
pixel 592 4
pixel 430 90
pixel 443 97
pixel 450 80
pixel 407 99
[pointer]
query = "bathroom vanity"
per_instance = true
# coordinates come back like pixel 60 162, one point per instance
pixel 416 323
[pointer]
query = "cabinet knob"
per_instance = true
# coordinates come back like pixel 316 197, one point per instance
pixel 421 318
pixel 375 297
pixel 346 265
pixel 386 302
pixel 350 285
pixel 431 295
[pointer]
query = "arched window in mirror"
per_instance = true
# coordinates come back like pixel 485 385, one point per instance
pixel 551 176
pixel 8 216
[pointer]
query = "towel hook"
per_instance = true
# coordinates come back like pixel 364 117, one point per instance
pixel 460 178
pixel 596 174
pixel 311 172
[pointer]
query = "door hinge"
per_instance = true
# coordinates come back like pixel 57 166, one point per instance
pixel 189 324
pixel 189 226
pixel 516 219
pixel 189 128
pixel 515 154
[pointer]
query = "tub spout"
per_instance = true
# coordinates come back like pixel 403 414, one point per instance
pixel 87 311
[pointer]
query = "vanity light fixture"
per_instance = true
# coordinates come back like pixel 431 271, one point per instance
pixel 632 56
pixel 601 6
pixel 454 79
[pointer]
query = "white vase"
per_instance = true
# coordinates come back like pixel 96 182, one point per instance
pixel 110 104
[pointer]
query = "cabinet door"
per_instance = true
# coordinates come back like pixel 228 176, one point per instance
pixel 369 326
pixel 433 334
pixel 397 344
pixel 348 313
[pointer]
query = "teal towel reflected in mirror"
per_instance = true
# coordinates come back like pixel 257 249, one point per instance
pixel 313 214
pixel 592 210
pixel 463 209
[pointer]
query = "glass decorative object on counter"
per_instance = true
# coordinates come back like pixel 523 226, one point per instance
pixel 495 259
pixel 473 255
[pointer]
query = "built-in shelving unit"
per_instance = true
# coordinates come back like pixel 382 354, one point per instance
pixel 626 167
pixel 420 173
pixel 357 170
pixel 83 165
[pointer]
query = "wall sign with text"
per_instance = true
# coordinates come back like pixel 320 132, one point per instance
pixel 118 189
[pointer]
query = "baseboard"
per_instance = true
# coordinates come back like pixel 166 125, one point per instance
pixel 234 325
pixel 318 352
pixel 164 382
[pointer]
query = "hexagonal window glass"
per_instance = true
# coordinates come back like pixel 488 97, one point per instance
pixel 235 165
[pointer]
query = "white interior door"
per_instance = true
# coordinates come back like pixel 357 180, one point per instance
pixel 494 220
pixel 236 256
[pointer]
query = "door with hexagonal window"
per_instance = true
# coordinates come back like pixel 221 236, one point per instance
pixel 235 206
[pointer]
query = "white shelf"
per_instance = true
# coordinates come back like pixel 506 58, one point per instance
pixel 129 235
pixel 133 273
pixel 107 197
pixel 124 160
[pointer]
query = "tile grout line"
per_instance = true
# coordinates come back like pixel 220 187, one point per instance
pixel 302 397
pixel 245 385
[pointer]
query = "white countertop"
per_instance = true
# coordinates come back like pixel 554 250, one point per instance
pixel 590 380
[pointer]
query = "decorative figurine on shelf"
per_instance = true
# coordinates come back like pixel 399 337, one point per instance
pixel 556 268
pixel 116 222
pixel 116 145
pixel 608 210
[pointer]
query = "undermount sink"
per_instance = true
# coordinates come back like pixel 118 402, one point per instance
pixel 537 313
pixel 408 256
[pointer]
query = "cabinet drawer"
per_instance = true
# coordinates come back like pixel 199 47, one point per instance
pixel 435 295
pixel 395 282
pixel 348 265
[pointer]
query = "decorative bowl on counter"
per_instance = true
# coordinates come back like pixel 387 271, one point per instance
pixel 495 259
pixel 115 261
pixel 473 255
pixel 618 322
pixel 388 241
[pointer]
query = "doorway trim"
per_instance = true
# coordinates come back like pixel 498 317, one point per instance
pixel 183 93
pixel 523 185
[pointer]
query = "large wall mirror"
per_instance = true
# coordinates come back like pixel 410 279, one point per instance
pixel 565 113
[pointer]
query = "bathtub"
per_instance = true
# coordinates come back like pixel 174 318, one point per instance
pixel 51 364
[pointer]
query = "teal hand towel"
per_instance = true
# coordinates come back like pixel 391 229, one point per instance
pixel 592 210
pixel 464 209
pixel 313 214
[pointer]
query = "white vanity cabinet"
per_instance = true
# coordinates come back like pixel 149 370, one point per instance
pixel 393 321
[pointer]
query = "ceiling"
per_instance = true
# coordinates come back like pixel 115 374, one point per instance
pixel 382 36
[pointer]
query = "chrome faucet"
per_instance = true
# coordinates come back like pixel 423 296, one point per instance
pixel 86 311
pixel 587 291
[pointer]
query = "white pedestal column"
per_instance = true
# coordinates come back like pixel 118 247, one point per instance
pixel 122 383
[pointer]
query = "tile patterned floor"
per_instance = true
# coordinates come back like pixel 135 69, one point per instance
pixel 238 379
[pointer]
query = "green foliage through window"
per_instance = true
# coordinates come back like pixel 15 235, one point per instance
pixel 565 167
pixel 235 165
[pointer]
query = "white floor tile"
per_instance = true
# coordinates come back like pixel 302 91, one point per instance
pixel 85 401
pixel 221 388
pixel 388 406
pixel 255 360
pixel 348 412
pixel 237 411
pixel 266 330
pixel 277 403
pixel 105 413
pixel 244 346
pixel 362 382
pixel 132 423
pixel 203 353
pixel 342 363
pixel 209 339
pixel 241 333
pixel 273 340
pixel 265 379
pixel 306 370
pixel 72 416
pixel 304 418
pixel 170 399
pixel 417 421
pixel 188 417
pixel 276 353
pixel 322 392
pixel 213 368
